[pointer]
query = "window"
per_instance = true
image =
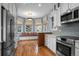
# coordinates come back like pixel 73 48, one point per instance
pixel 28 25
pixel 19 25
pixel 38 25
pixel 19 28
pixel 45 24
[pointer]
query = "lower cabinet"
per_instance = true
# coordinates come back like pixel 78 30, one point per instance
pixel 77 48
pixel 50 42
pixel 76 51
pixel 41 37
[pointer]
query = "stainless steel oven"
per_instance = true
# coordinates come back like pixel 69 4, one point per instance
pixel 65 47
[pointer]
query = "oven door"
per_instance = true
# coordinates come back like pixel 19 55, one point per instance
pixel 63 49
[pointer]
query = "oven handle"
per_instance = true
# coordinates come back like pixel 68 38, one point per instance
pixel 69 45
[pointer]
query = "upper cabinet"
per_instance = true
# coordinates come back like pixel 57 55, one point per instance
pixel 65 6
pixel 73 5
pixel 5 5
pixel 54 19
pixel 45 24
pixel 11 7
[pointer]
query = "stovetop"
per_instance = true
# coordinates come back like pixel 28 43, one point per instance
pixel 70 37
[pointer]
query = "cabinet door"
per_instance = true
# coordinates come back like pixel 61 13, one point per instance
pixel 77 47
pixel 46 42
pixel 76 52
pixel 41 38
pixel 77 44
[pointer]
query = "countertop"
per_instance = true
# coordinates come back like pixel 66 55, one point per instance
pixel 28 37
pixel 29 40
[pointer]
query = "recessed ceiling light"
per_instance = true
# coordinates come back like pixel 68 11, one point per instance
pixel 39 5
pixel 29 13
pixel 29 19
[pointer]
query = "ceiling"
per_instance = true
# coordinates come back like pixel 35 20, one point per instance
pixel 33 10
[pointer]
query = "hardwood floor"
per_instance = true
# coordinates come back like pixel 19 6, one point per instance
pixel 28 48
pixel 44 51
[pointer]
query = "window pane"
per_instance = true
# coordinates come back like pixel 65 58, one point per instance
pixel 45 23
pixel 38 25
pixel 19 28
pixel 28 25
pixel 19 25
pixel 19 21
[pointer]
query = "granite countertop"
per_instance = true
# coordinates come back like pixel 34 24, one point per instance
pixel 28 38
pixel 32 40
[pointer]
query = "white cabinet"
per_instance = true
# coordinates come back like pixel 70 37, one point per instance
pixel 50 42
pixel 5 5
pixel 77 48
pixel 11 7
pixel 53 44
pixel 73 5
pixel 57 18
pixel 76 52
pixel 8 6
pixel 64 6
pixel 77 44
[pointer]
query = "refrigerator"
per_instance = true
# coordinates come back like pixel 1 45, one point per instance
pixel 7 33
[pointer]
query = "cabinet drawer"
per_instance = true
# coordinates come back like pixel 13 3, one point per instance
pixel 76 52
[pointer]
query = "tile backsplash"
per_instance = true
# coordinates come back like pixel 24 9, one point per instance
pixel 70 29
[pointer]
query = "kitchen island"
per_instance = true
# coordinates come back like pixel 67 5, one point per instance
pixel 32 45
pixel 27 47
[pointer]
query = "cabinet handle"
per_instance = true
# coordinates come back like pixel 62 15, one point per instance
pixel 4 25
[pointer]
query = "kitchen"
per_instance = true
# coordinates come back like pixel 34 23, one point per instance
pixel 28 26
